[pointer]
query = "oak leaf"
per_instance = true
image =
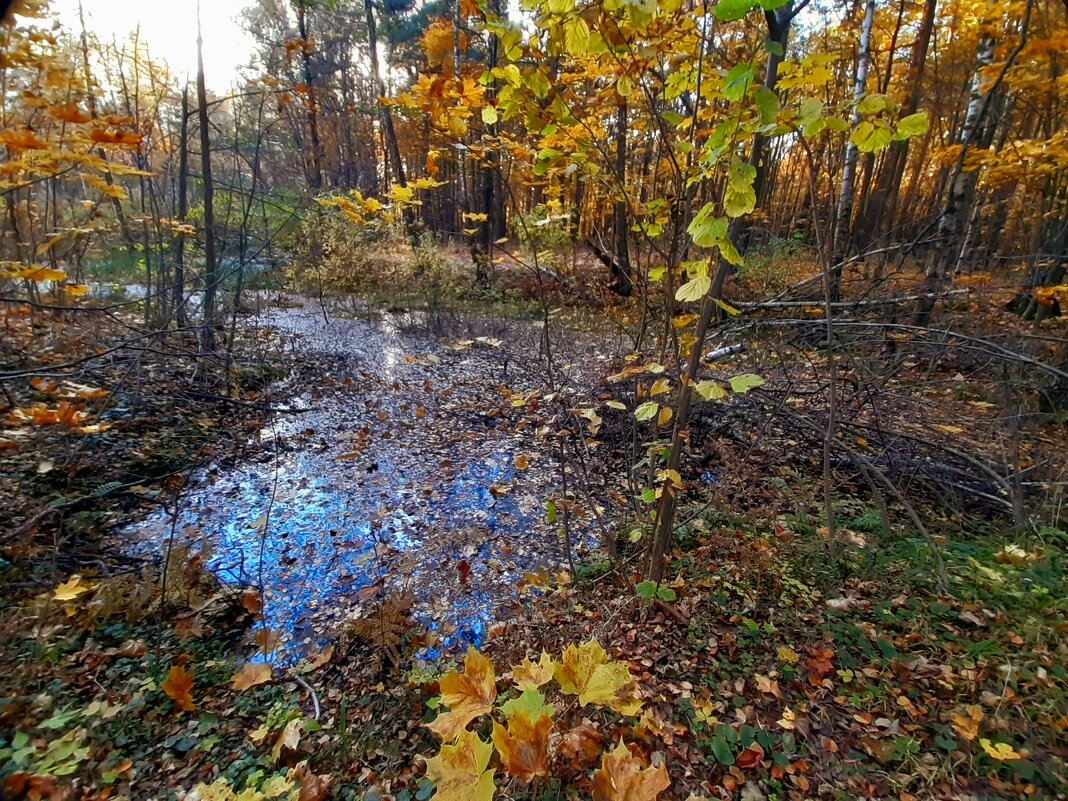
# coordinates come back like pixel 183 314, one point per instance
pixel 177 687
pixel 524 745
pixel 623 778
pixel 467 695
pixel 251 675
pixel 459 770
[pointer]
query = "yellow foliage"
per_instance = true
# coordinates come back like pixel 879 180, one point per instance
pixel 459 771
pixel 467 695
pixel 622 777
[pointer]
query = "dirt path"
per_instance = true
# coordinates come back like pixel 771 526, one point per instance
pixel 395 473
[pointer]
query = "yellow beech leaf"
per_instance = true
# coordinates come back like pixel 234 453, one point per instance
pixel 251 675
pixel 71 589
pixel 623 777
pixel 660 386
pixel 529 676
pixel 76 290
pixel 999 751
pixel 177 687
pixel 665 416
pixel 585 671
pixel 467 695
pixel 524 745
pixel 459 770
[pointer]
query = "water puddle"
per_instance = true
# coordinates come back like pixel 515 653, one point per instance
pixel 397 471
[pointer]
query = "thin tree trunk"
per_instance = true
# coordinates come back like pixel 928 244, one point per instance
pixel 846 196
pixel 623 282
pixel 388 132
pixel 315 180
pixel 211 269
pixel 178 290
pixel 881 205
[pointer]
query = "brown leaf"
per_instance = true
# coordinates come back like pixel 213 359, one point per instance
pixel 524 746
pixel 313 786
pixel 251 601
pixel 582 745
pixel 750 757
pixel 177 687
pixel 251 675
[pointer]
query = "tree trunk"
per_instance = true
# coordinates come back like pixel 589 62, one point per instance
pixel 880 208
pixel 315 179
pixel 622 280
pixel 846 196
pixel 211 269
pixel 388 132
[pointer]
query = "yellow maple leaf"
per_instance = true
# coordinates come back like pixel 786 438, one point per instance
pixel 71 589
pixel 530 676
pixel 999 751
pixel 585 671
pixel 251 675
pixel 459 770
pixel 524 745
pixel 467 695
pixel 622 777
pixel 967 726
pixel 177 687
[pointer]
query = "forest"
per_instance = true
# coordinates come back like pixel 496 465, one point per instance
pixel 540 400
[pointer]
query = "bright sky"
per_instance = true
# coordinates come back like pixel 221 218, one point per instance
pixel 170 29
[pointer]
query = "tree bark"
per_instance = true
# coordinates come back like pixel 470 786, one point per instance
pixel 881 205
pixel 622 281
pixel 315 179
pixel 211 268
pixel 846 196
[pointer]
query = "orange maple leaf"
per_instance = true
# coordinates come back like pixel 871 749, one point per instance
pixel 524 746
pixel 177 687
pixel 622 777
pixel 467 695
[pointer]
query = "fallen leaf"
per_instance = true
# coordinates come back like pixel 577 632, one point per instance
pixel 251 675
pixel 177 687
pixel 622 777
pixel 71 589
pixel 999 751
pixel 467 695
pixel 524 745
pixel 459 771
pixel 529 676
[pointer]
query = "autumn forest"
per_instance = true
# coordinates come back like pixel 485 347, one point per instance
pixel 553 399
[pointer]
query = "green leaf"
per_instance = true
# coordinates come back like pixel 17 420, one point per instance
pixel 560 6
pixel 706 230
pixel 811 109
pixel 577 36
pixel 531 703
pixel 745 382
pixel 710 390
pixel 912 125
pixel 624 86
pixel 739 197
pixel 645 589
pixel 646 411
pixel 666 594
pixel 773 47
pixel 721 750
pixel 730 10
pixel 648 495
pixel 489 115
pixel 550 511
pixel 873 104
pixel 870 137
pixel 692 291
pixel 538 83
pixel 767 104
pixel 737 81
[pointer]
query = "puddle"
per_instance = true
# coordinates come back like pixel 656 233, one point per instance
pixel 399 469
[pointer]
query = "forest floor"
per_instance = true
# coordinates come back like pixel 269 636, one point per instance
pixel 785 665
